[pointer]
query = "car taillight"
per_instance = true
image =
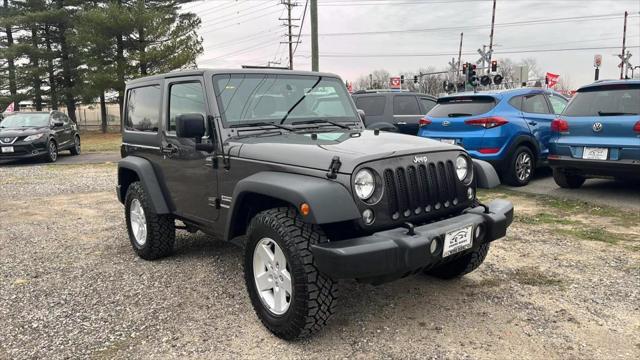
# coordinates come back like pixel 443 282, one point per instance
pixel 559 125
pixel 487 123
pixel 424 122
pixel 636 127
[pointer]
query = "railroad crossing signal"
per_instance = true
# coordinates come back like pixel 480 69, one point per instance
pixel 625 60
pixel 485 56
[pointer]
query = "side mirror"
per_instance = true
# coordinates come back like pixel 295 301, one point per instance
pixel 362 115
pixel 190 126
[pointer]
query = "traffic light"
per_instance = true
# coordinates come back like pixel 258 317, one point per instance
pixel 494 65
pixel 401 79
pixel 415 79
pixel 464 68
pixel 472 77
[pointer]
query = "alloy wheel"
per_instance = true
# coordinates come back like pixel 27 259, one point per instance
pixel 524 166
pixel 272 276
pixel 138 222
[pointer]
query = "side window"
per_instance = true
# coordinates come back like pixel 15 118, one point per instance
pixel 143 109
pixel 516 102
pixel 557 103
pixel 535 104
pixel 405 105
pixel 185 98
pixel 427 104
pixel 371 105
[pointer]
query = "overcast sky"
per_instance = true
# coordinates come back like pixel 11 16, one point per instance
pixel 240 32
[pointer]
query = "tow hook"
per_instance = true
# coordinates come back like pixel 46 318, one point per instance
pixel 410 228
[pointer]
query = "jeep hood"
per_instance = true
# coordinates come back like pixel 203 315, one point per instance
pixel 317 150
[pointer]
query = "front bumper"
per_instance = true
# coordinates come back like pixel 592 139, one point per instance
pixel 23 150
pixel 392 254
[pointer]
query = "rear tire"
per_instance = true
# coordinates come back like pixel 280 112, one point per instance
pixel 309 297
pixel 461 266
pixel 520 167
pixel 567 181
pixel 152 235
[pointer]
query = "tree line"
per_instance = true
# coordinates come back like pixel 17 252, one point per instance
pixel 58 53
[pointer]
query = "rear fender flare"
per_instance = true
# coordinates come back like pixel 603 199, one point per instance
pixel 146 174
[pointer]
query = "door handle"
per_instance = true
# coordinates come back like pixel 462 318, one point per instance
pixel 533 123
pixel 169 149
pixel 401 123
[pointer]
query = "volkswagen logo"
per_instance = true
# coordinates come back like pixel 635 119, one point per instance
pixel 446 123
pixel 597 127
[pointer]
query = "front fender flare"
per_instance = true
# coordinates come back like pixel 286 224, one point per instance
pixel 330 202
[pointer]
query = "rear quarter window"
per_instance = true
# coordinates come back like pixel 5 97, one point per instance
pixel 614 100
pixel 462 106
pixel 142 112
pixel 371 105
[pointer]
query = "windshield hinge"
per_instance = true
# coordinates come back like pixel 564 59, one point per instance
pixel 334 167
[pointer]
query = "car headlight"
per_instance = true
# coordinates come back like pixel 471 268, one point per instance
pixel 364 184
pixel 34 137
pixel 462 167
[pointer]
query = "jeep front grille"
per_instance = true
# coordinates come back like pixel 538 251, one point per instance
pixel 416 189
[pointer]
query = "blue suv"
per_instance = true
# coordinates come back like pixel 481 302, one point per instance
pixel 510 129
pixel 598 135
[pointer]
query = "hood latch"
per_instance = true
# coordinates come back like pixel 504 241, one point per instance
pixel 334 167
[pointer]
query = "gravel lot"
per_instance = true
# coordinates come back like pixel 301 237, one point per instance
pixel 565 283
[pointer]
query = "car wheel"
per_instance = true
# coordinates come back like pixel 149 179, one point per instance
pixel 289 295
pixel 521 167
pixel 152 235
pixel 52 151
pixel 567 181
pixel 75 150
pixel 462 266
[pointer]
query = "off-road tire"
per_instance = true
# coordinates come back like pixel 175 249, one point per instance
pixel 314 295
pixel 510 174
pixel 567 181
pixel 462 266
pixel 51 156
pixel 75 150
pixel 161 231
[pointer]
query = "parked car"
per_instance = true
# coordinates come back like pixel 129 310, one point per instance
pixel 37 134
pixel 393 111
pixel 280 163
pixel 510 129
pixel 598 134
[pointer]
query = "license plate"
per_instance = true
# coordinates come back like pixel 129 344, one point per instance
pixel 448 141
pixel 595 153
pixel 7 149
pixel 457 240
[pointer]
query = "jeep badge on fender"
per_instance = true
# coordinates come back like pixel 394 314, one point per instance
pixel 279 162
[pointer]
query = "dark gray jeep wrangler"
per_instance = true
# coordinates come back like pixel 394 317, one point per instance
pixel 279 162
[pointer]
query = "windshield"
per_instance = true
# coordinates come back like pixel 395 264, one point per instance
pixel 25 120
pixel 614 100
pixel 274 98
pixel 462 106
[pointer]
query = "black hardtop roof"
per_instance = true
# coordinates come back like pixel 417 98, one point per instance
pixel 211 72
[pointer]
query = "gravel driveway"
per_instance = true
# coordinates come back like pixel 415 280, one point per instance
pixel 565 283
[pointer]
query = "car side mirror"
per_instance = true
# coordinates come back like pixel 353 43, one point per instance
pixel 362 115
pixel 190 126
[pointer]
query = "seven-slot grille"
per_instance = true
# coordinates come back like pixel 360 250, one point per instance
pixel 415 189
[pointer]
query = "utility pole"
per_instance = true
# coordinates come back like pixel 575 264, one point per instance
pixel 624 43
pixel 493 23
pixel 315 56
pixel 459 56
pixel 290 26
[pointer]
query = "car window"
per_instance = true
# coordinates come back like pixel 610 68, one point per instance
pixel 405 105
pixel 371 105
pixel 557 103
pixel 606 101
pixel 329 106
pixel 535 104
pixel 426 104
pixel 461 106
pixel 516 102
pixel 143 109
pixel 185 98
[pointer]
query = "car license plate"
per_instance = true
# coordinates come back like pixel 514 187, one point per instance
pixel 448 141
pixel 594 153
pixel 7 149
pixel 457 240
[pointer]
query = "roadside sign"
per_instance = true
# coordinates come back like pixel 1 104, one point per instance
pixel 394 83
pixel 597 60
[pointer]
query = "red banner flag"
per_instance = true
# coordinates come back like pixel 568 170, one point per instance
pixel 552 79
pixel 9 108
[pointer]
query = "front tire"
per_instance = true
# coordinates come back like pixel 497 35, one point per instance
pixel 52 152
pixel 293 300
pixel 567 181
pixel 520 167
pixel 462 266
pixel 75 150
pixel 152 235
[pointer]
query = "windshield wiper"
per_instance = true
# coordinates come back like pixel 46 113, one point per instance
pixel 615 113
pixel 299 101
pixel 322 121
pixel 261 123
pixel 452 115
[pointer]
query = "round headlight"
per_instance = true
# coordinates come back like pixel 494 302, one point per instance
pixel 364 184
pixel 462 167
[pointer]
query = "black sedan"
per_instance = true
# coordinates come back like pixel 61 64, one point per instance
pixel 37 135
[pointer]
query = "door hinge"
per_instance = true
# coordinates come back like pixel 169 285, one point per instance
pixel 334 167
pixel 214 202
